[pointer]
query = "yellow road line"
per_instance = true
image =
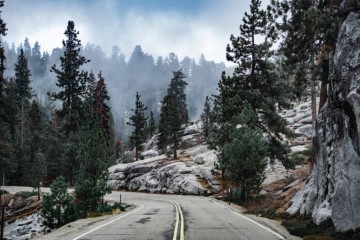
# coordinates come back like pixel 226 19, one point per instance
pixel 178 210
pixel 182 223
pixel 177 222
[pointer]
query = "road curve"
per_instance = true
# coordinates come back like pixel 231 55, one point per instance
pixel 158 216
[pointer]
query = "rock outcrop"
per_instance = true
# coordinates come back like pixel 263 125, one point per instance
pixel 191 174
pixel 333 189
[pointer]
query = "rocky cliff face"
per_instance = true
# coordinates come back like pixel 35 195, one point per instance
pixel 333 189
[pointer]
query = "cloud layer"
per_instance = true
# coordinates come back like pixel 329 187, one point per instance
pixel 206 28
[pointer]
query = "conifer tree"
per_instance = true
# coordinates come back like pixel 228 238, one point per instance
pixel 23 92
pixel 162 140
pixel 93 155
pixel 177 89
pixel 39 171
pixel 3 30
pixel 58 207
pixel 170 121
pixel 90 87
pixel 101 108
pixel 255 82
pixel 138 121
pixel 151 124
pixel 71 80
pixel 246 153
pixel 205 118
pixel 5 145
pixel 310 30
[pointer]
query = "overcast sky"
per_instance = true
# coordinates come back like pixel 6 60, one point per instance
pixel 186 27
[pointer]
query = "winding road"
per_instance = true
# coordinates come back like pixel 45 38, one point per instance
pixel 173 217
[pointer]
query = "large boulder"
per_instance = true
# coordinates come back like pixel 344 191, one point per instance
pixel 333 188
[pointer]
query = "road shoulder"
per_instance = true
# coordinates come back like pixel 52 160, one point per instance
pixel 74 229
pixel 269 223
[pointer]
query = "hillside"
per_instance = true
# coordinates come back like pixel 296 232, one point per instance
pixel 193 173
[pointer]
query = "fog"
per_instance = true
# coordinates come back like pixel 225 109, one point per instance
pixel 186 27
pixel 136 44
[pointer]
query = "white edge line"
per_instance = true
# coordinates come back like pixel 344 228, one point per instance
pixel 249 219
pixel 122 216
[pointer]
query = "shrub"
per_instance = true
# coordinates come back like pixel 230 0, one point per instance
pixel 58 207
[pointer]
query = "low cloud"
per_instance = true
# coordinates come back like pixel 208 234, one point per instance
pixel 104 23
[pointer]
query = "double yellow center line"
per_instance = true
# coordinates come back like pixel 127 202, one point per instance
pixel 178 210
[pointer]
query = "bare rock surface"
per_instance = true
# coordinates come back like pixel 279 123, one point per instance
pixel 333 191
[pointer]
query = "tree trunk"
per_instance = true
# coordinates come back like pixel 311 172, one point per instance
pixel 136 153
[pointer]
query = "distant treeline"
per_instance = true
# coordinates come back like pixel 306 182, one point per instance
pixel 141 73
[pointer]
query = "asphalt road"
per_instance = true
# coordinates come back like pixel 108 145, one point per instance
pixel 169 217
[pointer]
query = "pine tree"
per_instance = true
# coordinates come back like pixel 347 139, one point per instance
pixel 5 137
pixel 254 81
pixel 27 49
pixel 310 30
pixel 39 170
pixel 90 87
pixel 35 61
pixel 177 89
pixel 245 153
pixel 58 207
pixel 101 109
pixel 23 91
pixel 138 121
pixel 93 155
pixel 72 80
pixel 205 118
pixel 162 140
pixel 171 119
pixel 36 146
pixel 151 124
pixel 3 30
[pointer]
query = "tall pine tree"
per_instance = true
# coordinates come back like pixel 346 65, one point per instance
pixel 205 118
pixel 71 80
pixel 138 121
pixel 151 124
pixel 177 89
pixel 93 156
pixel 170 124
pixel 309 30
pixel 254 82
pixel 5 145
pixel 23 94
pixel 101 107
